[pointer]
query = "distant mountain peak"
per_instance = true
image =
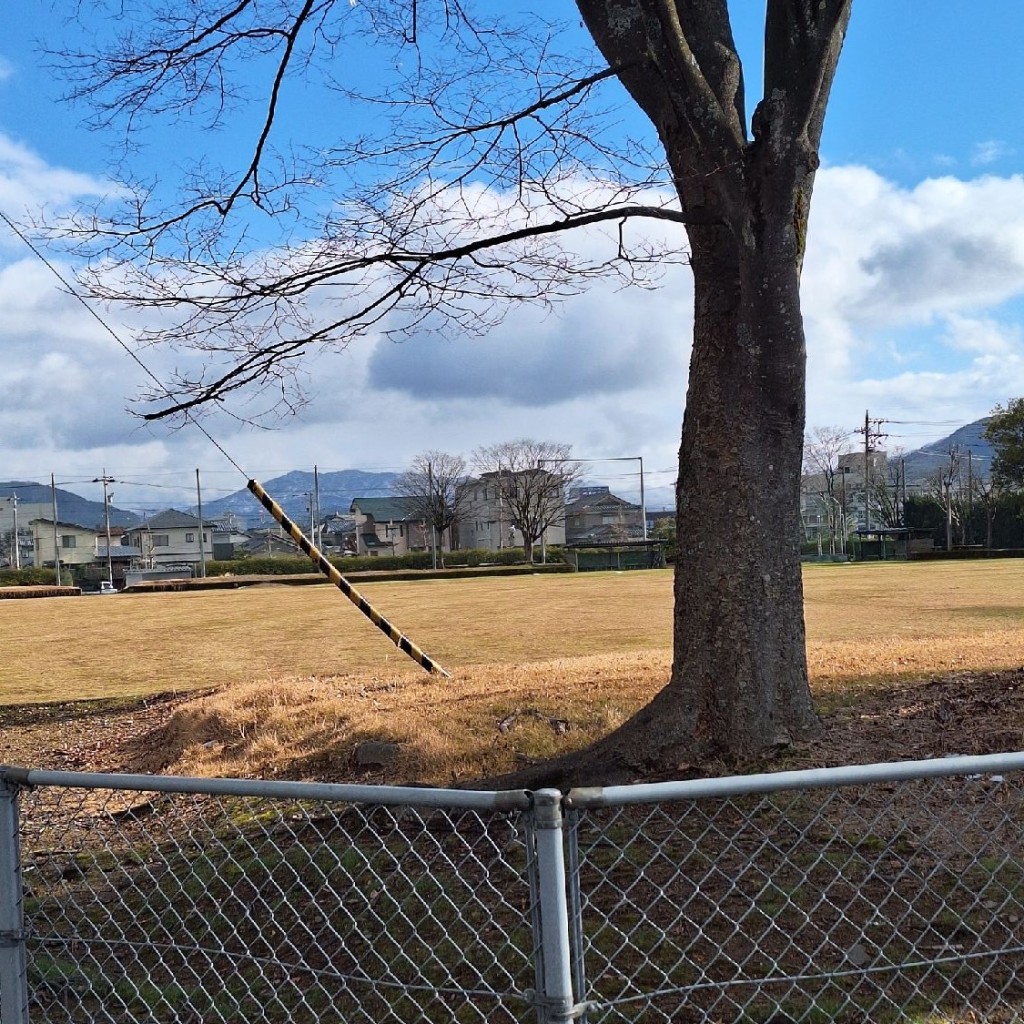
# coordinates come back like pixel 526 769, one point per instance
pixel 292 491
pixel 923 462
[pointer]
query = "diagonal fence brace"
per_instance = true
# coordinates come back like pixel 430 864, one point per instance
pixel 395 635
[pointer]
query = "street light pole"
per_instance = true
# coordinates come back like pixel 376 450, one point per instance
pixel 56 547
pixel 643 504
pixel 199 510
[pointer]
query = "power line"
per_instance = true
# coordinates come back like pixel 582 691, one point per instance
pixel 110 330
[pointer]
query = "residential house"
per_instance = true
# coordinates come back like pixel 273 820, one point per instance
pixel 595 514
pixel 655 517
pixel 228 540
pixel 80 547
pixel 390 526
pixel 15 529
pixel 338 533
pixel 487 520
pixel 267 541
pixel 171 538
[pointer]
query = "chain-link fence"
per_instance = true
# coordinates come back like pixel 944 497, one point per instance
pixel 878 893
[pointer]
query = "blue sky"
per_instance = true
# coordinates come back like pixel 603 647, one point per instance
pixel 913 290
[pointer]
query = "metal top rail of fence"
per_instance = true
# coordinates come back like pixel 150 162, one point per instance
pixel 384 796
pixel 810 778
pixel 887 892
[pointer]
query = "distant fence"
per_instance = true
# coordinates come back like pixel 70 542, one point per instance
pixel 879 893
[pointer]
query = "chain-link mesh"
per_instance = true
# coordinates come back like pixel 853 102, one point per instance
pixel 889 902
pixel 883 902
pixel 190 908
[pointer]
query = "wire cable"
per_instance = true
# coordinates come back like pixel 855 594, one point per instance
pixel 134 356
pixel 396 636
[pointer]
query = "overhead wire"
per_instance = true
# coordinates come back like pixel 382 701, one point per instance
pixel 133 355
pixel 309 549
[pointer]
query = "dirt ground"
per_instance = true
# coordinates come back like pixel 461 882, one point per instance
pixel 954 713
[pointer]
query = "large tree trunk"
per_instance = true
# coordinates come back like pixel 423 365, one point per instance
pixel 739 675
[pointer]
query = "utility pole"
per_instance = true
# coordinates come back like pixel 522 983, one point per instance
pixel 56 546
pixel 317 535
pixel 643 503
pixel 104 479
pixel 501 510
pixel 17 547
pixel 968 536
pixel 430 513
pixel 947 483
pixel 870 436
pixel 903 485
pixel 842 511
pixel 202 546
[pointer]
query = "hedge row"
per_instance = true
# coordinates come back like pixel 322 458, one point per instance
pixel 28 577
pixel 290 565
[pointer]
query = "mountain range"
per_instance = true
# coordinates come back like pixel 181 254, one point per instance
pixel 923 463
pixel 71 507
pixel 293 490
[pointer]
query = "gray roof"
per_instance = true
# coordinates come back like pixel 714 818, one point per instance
pixel 387 510
pixel 599 501
pixel 169 519
pixel 71 526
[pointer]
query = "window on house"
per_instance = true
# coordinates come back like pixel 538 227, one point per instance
pixel 190 538
pixel 161 540
pixel 68 540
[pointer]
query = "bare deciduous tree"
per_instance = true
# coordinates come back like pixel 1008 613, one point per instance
pixel 435 488
pixel 823 447
pixel 989 493
pixel 532 479
pixel 461 202
pixel 948 487
pixel 887 492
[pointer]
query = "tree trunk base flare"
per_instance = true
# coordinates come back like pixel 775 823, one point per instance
pixel 643 749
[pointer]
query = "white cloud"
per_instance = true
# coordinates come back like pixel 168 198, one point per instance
pixel 984 336
pixel 28 183
pixel 906 294
pixel 989 152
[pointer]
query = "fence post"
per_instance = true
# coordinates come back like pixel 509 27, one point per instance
pixel 13 978
pixel 555 997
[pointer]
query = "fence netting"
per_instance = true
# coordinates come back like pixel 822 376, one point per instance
pixel 892 893
pixel 171 907
pixel 900 901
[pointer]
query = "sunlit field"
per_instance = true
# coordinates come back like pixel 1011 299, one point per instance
pixel 539 664
pixel 863 621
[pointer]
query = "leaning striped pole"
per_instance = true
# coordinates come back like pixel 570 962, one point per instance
pixel 399 639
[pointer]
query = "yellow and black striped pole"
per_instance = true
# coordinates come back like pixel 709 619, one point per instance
pixel 399 639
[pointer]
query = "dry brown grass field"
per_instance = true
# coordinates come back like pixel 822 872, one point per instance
pixel 539 664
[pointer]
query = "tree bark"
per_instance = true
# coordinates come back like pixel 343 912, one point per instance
pixel 739 680
pixel 739 677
